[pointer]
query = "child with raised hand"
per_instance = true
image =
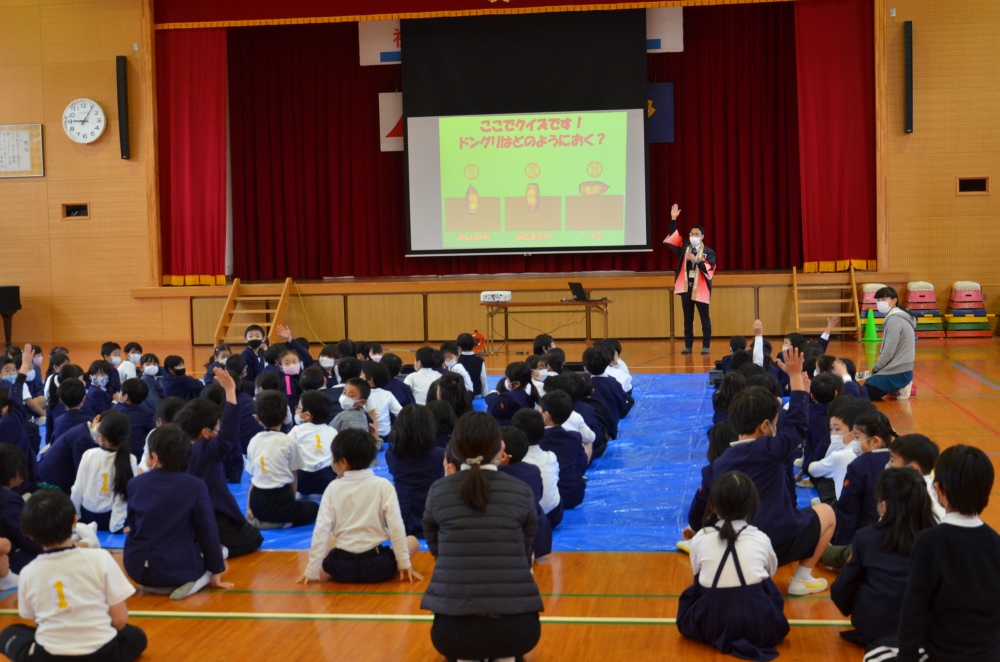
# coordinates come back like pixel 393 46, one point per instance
pixel 919 453
pixel 733 604
pixel 172 544
pixel 769 438
pixel 361 511
pixel 213 438
pixel 870 587
pixel 75 595
pixel 414 460
pixel 950 609
pixel 100 492
pixel 314 438
pixel 485 605
pixel 510 394
pixel 273 458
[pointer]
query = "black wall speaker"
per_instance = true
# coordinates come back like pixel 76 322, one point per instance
pixel 121 64
pixel 908 74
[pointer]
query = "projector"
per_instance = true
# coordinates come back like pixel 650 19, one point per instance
pixel 495 296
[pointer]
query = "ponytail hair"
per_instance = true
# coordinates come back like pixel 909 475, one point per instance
pixel 115 428
pixel 220 348
pixel 476 440
pixel 733 497
pixel 907 509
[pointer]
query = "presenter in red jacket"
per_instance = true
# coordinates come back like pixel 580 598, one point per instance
pixel 694 279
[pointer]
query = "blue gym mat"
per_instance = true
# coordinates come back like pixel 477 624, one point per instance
pixel 638 493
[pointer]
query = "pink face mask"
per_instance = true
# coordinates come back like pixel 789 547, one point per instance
pixel 292 370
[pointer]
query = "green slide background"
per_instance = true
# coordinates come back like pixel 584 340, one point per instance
pixel 562 170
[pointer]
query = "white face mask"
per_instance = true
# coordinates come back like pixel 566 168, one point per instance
pixel 151 370
pixel 836 439
pixel 298 420
pixel 134 358
pixel 37 361
pixel 94 433
pixel 346 403
pixel 450 364
pixel 695 241
pixel 506 384
pixel 376 357
pixel 883 307
pixel 30 377
pixel 327 362
pixel 116 360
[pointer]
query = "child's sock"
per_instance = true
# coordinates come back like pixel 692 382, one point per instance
pixel 803 574
pixel 189 589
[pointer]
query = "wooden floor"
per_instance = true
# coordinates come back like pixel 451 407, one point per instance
pixel 611 606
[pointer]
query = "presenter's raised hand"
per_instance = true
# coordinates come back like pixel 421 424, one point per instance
pixel 675 211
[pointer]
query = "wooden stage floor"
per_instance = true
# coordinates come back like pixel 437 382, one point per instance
pixel 611 606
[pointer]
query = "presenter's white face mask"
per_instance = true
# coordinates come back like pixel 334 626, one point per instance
pixel 695 241
pixel 883 307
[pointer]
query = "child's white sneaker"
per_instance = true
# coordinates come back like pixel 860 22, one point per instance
pixel 814 585
pixel 904 393
pixel 798 462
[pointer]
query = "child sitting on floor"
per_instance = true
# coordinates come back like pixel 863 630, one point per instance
pixel 950 608
pixel 75 595
pixel 100 492
pixel 272 460
pixel 510 394
pixel 920 453
pixel 414 460
pixel 314 438
pixel 172 544
pixel 568 447
pixel 512 463
pixel 361 511
pixel 870 587
pixel 733 604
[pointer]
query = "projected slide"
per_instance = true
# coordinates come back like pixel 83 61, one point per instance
pixel 525 183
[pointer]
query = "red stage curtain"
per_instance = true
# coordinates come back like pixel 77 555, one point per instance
pixel 191 123
pixel 835 44
pixel 313 196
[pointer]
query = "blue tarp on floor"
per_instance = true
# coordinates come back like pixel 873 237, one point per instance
pixel 638 493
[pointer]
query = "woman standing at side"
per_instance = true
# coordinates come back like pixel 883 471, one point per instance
pixel 893 371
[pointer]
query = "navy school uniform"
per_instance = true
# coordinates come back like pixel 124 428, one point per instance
pixel 412 477
pixel 568 447
pixel 141 420
pixel 156 394
pixel 532 475
pixel 870 589
pixel 36 386
pixel 208 463
pixel 210 371
pixel 99 399
pixel 607 419
pixel 184 386
pixel 403 393
pixel 856 507
pixel 594 423
pixel 173 538
pixel 442 440
pixel 114 382
pixel 12 432
pixel 60 462
pixel 503 406
pixel 69 420
pixel 474 366
pixel 255 364
pixel 765 460
pixel 852 389
pixel 817 434
pixel 725 365
pixel 333 394
pixel 747 621
pixel 22 549
pixel 249 426
pixel 608 390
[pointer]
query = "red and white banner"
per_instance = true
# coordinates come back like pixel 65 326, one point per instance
pixel 390 121
pixel 378 42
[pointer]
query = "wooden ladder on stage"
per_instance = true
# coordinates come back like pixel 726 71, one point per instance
pixel 265 305
pixel 828 295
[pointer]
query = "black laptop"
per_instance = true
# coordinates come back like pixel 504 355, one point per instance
pixel 579 294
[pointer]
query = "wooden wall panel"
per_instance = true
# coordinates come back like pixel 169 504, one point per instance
pixel 931 232
pixel 386 317
pixel 205 312
pixel 451 314
pixel 635 313
pixel 732 311
pixel 318 318
pixel 21 43
pixel 776 310
pixel 562 325
pixel 22 108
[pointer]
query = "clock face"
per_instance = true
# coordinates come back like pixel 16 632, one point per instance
pixel 84 121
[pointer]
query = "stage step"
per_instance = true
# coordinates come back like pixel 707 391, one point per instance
pixel 269 318
pixel 843 304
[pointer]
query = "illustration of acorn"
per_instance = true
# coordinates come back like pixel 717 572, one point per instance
pixel 532 197
pixel 472 200
pixel 593 188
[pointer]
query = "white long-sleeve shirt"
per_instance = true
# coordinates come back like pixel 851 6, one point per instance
pixel 757 559
pixel 548 465
pixel 362 512
pixel 834 465
pixel 575 423
pixel 485 390
pixel 380 404
pixel 420 381
pixel 93 487
pixel 459 369
pixel 621 373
